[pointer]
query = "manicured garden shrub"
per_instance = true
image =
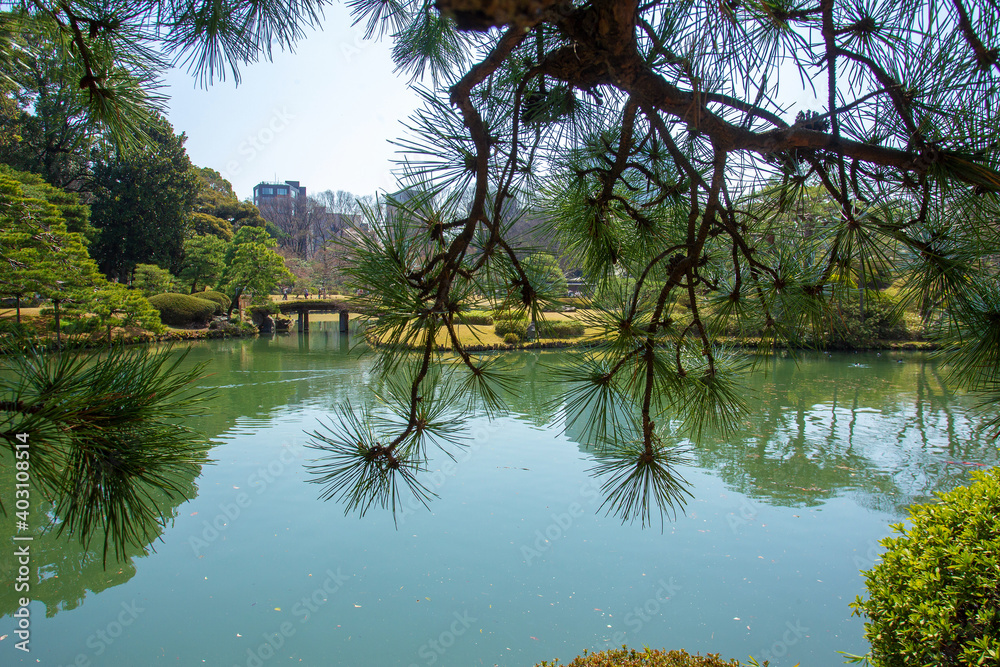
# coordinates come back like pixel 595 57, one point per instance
pixel 625 657
pixel 182 309
pixel 502 327
pixel 511 338
pixel 480 317
pixel 562 329
pixel 934 599
pixel 217 297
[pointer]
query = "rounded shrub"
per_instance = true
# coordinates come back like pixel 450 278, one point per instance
pixel 511 338
pixel 504 327
pixel 218 297
pixel 934 599
pixel 626 657
pixel 183 309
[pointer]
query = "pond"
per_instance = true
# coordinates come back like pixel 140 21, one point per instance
pixel 513 563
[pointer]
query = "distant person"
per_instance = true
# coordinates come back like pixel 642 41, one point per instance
pixel 284 294
pixel 306 291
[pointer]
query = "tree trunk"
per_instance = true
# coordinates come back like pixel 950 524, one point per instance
pixel 18 297
pixel 58 328
pixel 234 303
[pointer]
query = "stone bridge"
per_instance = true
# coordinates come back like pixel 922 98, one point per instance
pixel 305 306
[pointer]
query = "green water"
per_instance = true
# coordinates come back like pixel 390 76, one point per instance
pixel 512 564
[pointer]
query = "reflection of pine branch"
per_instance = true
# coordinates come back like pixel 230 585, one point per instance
pixel 105 440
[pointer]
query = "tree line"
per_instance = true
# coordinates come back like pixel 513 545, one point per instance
pixel 85 215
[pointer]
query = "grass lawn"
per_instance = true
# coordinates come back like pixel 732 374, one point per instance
pixel 25 312
pixel 483 334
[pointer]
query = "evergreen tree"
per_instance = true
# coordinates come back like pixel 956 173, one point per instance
pixel 105 438
pixel 142 200
pixel 204 260
pixel 118 306
pixel 252 266
pixel 217 210
pixel 151 279
pixel 39 255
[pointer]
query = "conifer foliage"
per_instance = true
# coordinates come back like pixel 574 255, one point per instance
pixel 669 143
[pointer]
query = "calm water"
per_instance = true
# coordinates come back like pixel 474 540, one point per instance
pixel 512 564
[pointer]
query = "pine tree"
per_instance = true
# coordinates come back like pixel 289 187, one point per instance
pixel 662 141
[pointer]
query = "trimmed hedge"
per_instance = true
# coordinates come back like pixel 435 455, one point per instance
pixel 183 309
pixel 625 657
pixel 548 329
pixel 562 329
pixel 218 297
pixel 479 317
pixel 935 595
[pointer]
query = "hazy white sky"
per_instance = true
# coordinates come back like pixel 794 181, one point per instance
pixel 322 115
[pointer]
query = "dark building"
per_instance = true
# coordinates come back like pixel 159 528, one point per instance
pixel 289 192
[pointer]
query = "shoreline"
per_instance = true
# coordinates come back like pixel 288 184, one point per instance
pixel 192 335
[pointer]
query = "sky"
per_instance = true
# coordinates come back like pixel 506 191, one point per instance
pixel 322 115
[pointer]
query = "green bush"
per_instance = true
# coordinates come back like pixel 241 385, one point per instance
pixel 475 317
pixel 218 297
pixel 935 596
pixel 511 338
pixel 225 329
pixel 182 309
pixel 73 324
pixel 880 323
pixel 562 329
pixel 12 328
pixel 506 326
pixel 625 657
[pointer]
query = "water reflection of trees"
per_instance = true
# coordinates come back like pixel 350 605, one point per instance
pixel 886 433
pixel 884 429
pixel 262 377
pixel 278 371
pixel 63 570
